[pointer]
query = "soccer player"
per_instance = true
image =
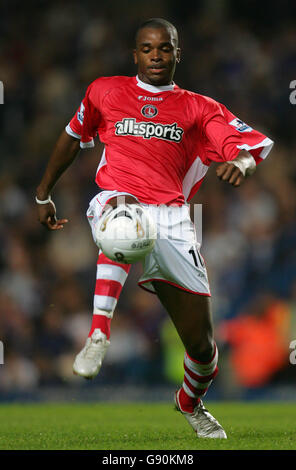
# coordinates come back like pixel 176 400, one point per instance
pixel 159 143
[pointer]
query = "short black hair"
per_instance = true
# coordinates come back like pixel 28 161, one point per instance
pixel 158 23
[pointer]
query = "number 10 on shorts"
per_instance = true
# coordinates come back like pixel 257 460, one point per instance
pixel 197 259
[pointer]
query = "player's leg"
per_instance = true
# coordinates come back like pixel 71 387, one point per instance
pixel 192 317
pixel 110 279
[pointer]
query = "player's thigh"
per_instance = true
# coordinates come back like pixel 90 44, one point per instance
pixel 191 315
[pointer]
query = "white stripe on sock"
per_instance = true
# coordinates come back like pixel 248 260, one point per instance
pixel 188 391
pixel 195 383
pixel 104 302
pixel 202 369
pixel 114 273
pixel 105 313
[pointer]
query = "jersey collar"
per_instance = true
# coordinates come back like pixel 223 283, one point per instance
pixel 154 89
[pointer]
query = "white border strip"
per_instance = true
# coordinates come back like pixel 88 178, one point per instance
pixel 195 173
pixel 72 133
pixel 266 143
pixel 154 89
pixel 83 145
pixel 87 145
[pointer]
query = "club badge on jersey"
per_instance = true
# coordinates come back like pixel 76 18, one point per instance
pixel 149 111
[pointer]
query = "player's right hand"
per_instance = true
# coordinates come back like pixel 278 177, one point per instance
pixel 47 217
pixel 228 172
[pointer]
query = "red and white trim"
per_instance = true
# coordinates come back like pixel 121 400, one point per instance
pixel 83 145
pixel 266 143
pixel 194 175
pixel 103 162
pixel 140 284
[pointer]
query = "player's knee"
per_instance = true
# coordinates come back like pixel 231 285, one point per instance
pixel 202 349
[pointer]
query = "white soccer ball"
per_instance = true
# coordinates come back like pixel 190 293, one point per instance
pixel 126 234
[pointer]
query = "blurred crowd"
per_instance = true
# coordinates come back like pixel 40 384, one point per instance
pixel 49 53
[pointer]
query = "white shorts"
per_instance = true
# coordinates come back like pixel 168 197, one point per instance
pixel 176 257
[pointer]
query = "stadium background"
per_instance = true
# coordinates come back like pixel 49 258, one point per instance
pixel 243 55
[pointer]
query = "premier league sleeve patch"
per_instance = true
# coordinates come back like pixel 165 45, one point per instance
pixel 80 114
pixel 240 126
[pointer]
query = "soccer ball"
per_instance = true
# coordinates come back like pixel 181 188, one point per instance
pixel 126 234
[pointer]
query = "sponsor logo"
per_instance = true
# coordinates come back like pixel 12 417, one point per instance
pixel 149 111
pixel 147 130
pixel 80 114
pixel 240 125
pixel 150 98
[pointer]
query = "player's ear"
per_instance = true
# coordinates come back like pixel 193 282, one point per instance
pixel 135 56
pixel 178 57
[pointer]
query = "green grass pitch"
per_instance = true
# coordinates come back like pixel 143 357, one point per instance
pixel 142 426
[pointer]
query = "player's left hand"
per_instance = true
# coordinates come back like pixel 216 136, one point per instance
pixel 230 173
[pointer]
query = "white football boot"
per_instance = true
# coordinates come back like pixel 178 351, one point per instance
pixel 89 361
pixel 203 423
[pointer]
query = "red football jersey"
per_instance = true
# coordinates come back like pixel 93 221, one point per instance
pixel 159 141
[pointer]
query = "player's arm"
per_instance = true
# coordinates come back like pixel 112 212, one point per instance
pixel 79 133
pixel 235 145
pixel 235 171
pixel 64 153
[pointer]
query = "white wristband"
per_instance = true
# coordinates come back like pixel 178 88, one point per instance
pixel 247 165
pixel 46 201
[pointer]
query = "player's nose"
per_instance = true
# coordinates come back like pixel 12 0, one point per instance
pixel 155 55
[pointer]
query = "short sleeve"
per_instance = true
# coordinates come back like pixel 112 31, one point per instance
pixel 85 122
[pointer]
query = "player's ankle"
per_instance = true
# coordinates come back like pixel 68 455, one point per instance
pixel 102 323
pixel 187 403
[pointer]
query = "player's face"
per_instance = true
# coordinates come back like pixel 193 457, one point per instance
pixel 156 55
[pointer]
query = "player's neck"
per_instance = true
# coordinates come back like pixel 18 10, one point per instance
pixel 154 88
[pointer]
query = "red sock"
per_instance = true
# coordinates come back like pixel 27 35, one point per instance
pixel 187 403
pixel 103 323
